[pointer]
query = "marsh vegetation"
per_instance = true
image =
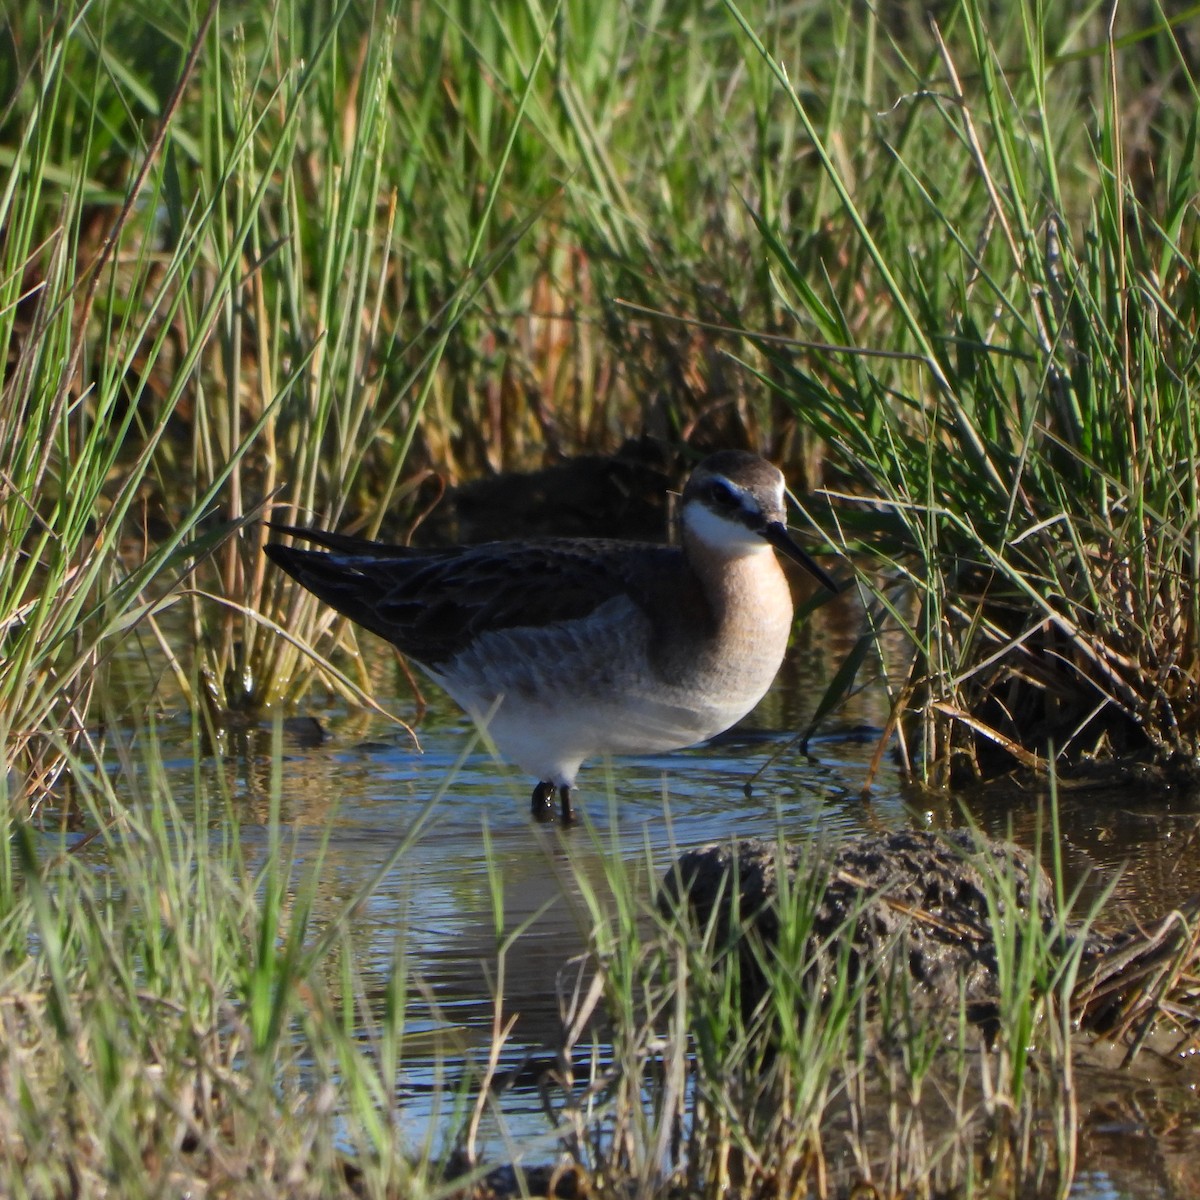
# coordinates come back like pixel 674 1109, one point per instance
pixel 328 261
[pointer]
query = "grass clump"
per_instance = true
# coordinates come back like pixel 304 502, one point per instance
pixel 899 1015
pixel 895 1017
pixel 77 446
pixel 182 1010
pixel 1020 460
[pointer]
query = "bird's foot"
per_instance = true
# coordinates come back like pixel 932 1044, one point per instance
pixel 542 803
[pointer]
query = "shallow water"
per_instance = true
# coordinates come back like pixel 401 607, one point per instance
pixel 365 785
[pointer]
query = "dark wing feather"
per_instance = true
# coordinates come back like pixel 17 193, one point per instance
pixel 432 603
pixel 341 542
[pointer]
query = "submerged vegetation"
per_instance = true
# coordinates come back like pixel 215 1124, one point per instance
pixel 325 260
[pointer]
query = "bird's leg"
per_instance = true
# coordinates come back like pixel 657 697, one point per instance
pixel 568 814
pixel 542 803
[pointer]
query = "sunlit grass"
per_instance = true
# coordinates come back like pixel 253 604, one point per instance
pixel 187 1003
pixel 1005 372
pixel 74 459
pixel 175 1018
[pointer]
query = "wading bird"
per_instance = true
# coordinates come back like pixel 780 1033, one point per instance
pixel 572 647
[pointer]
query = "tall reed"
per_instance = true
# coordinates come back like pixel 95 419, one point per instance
pixel 85 311
pixel 1000 364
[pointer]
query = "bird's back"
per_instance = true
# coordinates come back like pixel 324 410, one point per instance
pixel 434 604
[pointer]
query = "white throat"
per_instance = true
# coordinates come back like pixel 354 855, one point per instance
pixel 715 532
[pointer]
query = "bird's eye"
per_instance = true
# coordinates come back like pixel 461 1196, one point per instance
pixel 723 495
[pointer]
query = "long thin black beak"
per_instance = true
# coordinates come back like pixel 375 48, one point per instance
pixel 776 532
